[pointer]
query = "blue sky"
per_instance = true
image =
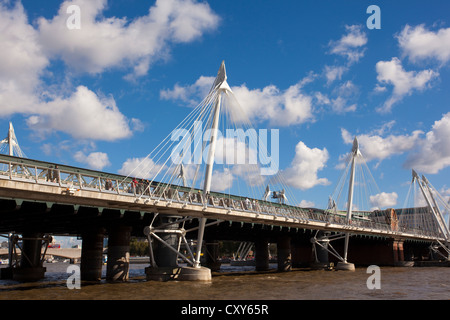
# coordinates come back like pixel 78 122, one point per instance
pixel 109 92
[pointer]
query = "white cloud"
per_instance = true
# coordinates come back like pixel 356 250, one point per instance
pixel 84 115
pixel 374 146
pixel 144 168
pixel 101 44
pixel 419 43
pixel 22 61
pixel 350 45
pixel 222 180
pixel 343 94
pixel 433 152
pixel 191 93
pixel 404 82
pixel 427 152
pixel 334 73
pixel 282 108
pixel 94 160
pixel 306 204
pixel 383 200
pixel 302 173
pixel 109 42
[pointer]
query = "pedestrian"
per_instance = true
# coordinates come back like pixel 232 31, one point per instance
pixel 50 174
pixel 56 174
pixel 247 203
pixel 108 184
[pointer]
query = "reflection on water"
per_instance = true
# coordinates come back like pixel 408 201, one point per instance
pixel 236 283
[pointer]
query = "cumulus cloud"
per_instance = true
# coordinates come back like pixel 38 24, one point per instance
pixel 306 204
pixel 419 43
pixel 376 147
pixel 94 160
pixel 102 43
pixel 403 82
pixel 222 180
pixel 433 152
pixel 383 200
pixel 303 172
pixel 351 45
pixel 23 61
pixel 426 152
pixel 279 107
pixel 190 93
pixel 109 42
pixel 83 115
pixel 144 168
pixel 283 108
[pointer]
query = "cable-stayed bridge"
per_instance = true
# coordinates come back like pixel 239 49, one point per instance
pixel 169 197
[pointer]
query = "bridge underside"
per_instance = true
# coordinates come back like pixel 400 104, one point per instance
pixel 23 217
pixel 63 219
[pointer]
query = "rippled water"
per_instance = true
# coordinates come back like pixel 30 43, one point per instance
pixel 236 283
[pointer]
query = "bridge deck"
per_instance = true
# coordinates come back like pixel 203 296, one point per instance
pixel 26 179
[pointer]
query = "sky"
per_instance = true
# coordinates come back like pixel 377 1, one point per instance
pixel 101 87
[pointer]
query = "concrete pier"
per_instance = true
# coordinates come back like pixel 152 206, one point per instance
pixel 211 255
pixel 302 254
pixel 262 254
pixel 284 253
pixel 31 268
pixel 92 254
pixel 117 268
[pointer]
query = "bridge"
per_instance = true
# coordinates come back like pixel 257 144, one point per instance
pixel 178 219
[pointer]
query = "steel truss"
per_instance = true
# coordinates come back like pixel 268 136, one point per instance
pixel 328 247
pixel 16 242
pixel 152 234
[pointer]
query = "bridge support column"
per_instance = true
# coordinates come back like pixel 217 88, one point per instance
pixel 31 268
pixel 320 250
pixel 211 255
pixel 399 255
pixel 301 254
pixel 262 254
pixel 118 253
pixel 166 259
pixel 92 254
pixel 284 253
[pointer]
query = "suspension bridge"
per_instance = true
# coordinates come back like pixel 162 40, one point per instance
pixel 176 200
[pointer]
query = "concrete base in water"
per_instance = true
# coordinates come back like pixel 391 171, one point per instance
pixel 345 266
pixel 178 273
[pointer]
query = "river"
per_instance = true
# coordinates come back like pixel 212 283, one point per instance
pixel 241 283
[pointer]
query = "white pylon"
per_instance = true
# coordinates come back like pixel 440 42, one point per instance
pixel 220 85
pixel 12 143
pixel 344 265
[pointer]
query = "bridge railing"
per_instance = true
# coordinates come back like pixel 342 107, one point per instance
pixel 76 180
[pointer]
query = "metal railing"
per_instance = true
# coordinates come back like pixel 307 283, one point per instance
pixel 74 179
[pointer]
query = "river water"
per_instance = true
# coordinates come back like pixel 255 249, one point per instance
pixel 241 283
